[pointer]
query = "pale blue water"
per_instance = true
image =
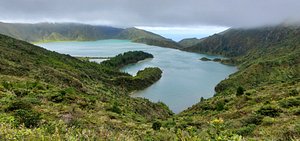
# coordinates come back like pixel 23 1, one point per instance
pixel 185 78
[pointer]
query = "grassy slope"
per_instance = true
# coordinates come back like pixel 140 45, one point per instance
pixel 269 69
pixel 67 98
pixel 189 42
pixel 142 36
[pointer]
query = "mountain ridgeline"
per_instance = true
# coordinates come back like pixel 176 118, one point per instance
pixel 48 32
pixel 238 42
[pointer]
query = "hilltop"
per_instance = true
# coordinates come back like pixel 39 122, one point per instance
pixel 188 42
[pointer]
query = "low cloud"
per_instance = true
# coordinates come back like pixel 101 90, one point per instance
pixel 168 13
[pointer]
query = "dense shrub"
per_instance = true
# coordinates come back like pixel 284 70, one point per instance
pixel 296 112
pixel 253 119
pixel 293 92
pixel 290 102
pixel 246 130
pixel 156 125
pixel 7 85
pixel 21 92
pixel 268 121
pixel 240 91
pixel 18 104
pixel 126 58
pixel 27 117
pixel 270 111
pixel 206 106
pixel 220 105
pixel 143 79
pixel 115 108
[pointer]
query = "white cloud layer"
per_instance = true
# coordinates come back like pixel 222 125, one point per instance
pixel 180 13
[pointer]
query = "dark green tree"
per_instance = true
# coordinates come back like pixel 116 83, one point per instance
pixel 156 125
pixel 240 91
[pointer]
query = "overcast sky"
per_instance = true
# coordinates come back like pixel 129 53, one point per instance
pixel 190 14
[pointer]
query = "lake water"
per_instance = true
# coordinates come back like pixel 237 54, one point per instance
pixel 185 78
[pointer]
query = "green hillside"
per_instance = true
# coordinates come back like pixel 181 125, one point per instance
pixel 189 42
pixel 237 42
pixel 45 32
pixel 48 95
pixel 142 36
pixel 260 101
pixel 48 32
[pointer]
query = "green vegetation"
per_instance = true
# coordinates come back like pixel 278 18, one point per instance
pixel 57 97
pixel 143 79
pixel 156 125
pixel 126 58
pixel 205 59
pixel 189 42
pixel 266 107
pixel 240 91
pixel 142 36
pixel 158 42
pixel 49 32
pixel 50 96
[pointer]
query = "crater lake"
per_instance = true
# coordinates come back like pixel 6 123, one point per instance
pixel 185 77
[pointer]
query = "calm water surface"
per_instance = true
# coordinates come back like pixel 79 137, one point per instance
pixel 185 78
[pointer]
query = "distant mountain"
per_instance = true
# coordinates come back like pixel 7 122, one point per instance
pixel 142 36
pixel 188 42
pixel 237 42
pixel 43 32
pixel 47 32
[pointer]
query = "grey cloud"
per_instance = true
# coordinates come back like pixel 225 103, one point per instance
pixel 232 13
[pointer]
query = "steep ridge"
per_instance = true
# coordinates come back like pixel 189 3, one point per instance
pixel 45 32
pixel 238 42
pixel 48 32
pixel 142 36
pixel 189 42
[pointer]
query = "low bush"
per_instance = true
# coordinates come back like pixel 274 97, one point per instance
pixel 253 119
pixel 115 108
pixel 220 105
pixel 19 104
pixel 268 121
pixel 240 91
pixel 293 92
pixel 156 125
pixel 27 117
pixel 7 85
pixel 290 102
pixel 246 130
pixel 269 110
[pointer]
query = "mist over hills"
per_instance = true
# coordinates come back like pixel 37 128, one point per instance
pixel 47 32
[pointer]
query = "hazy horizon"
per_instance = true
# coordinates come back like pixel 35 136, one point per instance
pixel 172 19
